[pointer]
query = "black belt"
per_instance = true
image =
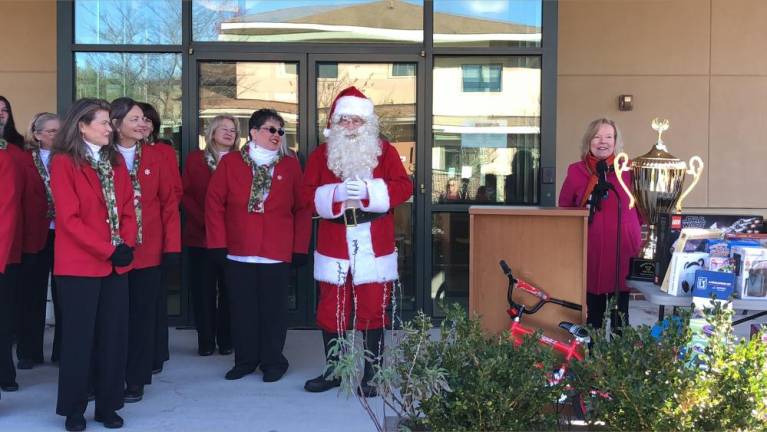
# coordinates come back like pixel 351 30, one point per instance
pixel 355 216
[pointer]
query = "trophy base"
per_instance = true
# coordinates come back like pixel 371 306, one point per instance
pixel 642 269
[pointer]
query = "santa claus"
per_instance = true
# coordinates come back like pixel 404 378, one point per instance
pixel 354 180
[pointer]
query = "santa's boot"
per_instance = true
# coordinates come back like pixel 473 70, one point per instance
pixel 324 382
pixel 374 342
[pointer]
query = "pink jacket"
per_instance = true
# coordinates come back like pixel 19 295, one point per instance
pixel 600 267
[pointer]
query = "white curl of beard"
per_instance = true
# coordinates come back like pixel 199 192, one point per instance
pixel 350 157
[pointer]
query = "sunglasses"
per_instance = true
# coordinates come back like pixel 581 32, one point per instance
pixel 272 130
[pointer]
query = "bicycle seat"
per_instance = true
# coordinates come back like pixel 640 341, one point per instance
pixel 576 330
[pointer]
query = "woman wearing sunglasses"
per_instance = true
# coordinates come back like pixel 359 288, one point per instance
pixel 257 223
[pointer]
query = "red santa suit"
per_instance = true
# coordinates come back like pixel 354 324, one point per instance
pixel 362 257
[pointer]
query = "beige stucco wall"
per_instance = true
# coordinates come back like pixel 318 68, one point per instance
pixel 699 63
pixel 28 57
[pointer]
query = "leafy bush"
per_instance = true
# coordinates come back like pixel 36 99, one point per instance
pixel 494 385
pixel 654 384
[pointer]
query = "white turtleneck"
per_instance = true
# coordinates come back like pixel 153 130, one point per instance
pixel 129 154
pixel 93 149
pixel 260 156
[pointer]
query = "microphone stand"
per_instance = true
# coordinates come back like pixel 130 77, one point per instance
pixel 617 259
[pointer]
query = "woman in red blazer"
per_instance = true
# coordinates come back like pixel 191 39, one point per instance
pixel 159 234
pixel 258 223
pixel 206 278
pixel 37 247
pixel 13 147
pixel 171 262
pixel 95 236
pixel 10 206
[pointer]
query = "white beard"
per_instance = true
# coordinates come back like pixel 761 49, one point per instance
pixel 352 157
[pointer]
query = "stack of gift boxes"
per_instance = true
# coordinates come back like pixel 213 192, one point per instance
pixel 730 255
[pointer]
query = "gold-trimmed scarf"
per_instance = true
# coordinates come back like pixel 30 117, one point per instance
pixel 38 160
pixel 262 180
pixel 134 175
pixel 106 175
pixel 3 144
pixel 210 160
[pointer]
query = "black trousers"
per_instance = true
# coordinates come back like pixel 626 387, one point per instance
pixel 31 301
pixel 210 301
pixel 161 350
pixel 597 303
pixel 7 287
pixel 144 288
pixel 94 347
pixel 258 296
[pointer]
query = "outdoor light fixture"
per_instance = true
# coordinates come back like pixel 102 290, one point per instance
pixel 625 102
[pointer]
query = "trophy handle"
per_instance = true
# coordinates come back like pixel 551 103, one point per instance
pixel 621 164
pixel 696 168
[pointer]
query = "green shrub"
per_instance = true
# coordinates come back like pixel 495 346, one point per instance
pixel 494 385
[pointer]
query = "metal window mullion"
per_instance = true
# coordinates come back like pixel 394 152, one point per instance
pixel 128 48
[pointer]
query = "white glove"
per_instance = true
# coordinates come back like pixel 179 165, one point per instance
pixel 356 189
pixel 341 194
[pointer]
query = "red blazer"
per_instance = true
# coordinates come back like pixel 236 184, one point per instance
pixel 282 229
pixel 173 173
pixel 161 224
pixel 83 246
pixel 10 204
pixel 21 160
pixel 195 181
pixel 36 222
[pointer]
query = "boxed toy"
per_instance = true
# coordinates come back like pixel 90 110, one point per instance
pixel 708 284
pixel 681 276
pixel 669 227
pixel 751 271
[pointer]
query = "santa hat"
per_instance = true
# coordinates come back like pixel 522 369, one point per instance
pixel 349 101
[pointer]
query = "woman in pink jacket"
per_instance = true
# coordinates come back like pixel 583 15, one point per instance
pixel 582 188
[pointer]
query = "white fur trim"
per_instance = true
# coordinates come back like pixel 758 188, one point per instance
pixel 326 133
pixel 353 105
pixel 323 201
pixel 367 267
pixel 379 196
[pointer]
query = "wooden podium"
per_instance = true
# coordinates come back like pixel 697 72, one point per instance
pixel 545 246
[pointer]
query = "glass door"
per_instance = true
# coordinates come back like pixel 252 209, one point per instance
pixel 391 83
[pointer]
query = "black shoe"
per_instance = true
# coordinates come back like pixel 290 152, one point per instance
pixel 133 393
pixel 273 375
pixel 110 420
pixel 9 386
pixel 25 364
pixel 238 372
pixel 205 352
pixel 157 370
pixel 224 350
pixel 321 384
pixel 75 423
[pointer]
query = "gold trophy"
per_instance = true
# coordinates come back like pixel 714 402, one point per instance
pixel 658 178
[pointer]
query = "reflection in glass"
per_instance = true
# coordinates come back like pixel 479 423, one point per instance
pixel 397 21
pixel 238 89
pixel 449 260
pixel 394 98
pixel 153 78
pixel 487 136
pixel 128 22
pixel 487 23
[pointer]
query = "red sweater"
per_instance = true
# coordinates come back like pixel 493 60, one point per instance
pixel 195 180
pixel 282 229
pixel 36 222
pixel 83 245
pixel 161 225
pixel 10 204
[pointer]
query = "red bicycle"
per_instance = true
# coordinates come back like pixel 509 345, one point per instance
pixel 572 350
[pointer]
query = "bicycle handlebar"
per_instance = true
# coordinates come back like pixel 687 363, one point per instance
pixel 531 289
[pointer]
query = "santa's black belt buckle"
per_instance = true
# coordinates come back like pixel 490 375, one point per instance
pixel 350 217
